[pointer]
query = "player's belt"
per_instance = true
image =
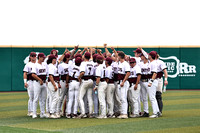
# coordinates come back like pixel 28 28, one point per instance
pixel 63 77
pixel 43 77
pixel 71 78
pixel 29 77
pixel 56 79
pixel 87 77
pixel 103 79
pixel 132 80
pixel 159 75
pixel 120 76
pixel 111 81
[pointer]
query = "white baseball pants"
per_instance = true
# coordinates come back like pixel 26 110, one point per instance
pixel 123 97
pixel 86 86
pixel 62 93
pixel 73 97
pixel 30 91
pixel 151 92
pixel 110 98
pixel 102 97
pixel 160 84
pixel 54 97
pixel 133 96
pixel 117 102
pixel 95 99
pixel 40 93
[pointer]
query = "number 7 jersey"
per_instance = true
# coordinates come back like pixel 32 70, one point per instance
pixel 87 67
pixel 74 70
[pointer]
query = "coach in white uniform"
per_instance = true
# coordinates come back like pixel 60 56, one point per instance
pixel 134 90
pixel 28 81
pixel 39 73
pixel 123 85
pixel 86 75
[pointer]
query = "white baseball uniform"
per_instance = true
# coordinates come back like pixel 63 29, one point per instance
pixel 100 72
pixel 74 84
pixel 133 95
pixel 40 91
pixel 110 89
pixel 123 68
pixel 147 71
pixel 30 89
pixel 63 71
pixel 86 85
pixel 52 70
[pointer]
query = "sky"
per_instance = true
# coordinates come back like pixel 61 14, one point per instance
pixel 95 22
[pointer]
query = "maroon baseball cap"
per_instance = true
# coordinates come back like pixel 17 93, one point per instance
pixel 78 60
pixel 51 56
pixel 87 54
pixel 138 51
pixel 55 51
pixel 41 55
pixel 95 56
pixel 78 55
pixel 153 54
pixel 67 55
pixel 99 57
pixel 109 60
pixel 33 54
pixel 132 60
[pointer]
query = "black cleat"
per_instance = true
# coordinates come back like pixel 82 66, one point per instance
pixel 145 114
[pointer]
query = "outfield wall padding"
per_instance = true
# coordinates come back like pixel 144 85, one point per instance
pixel 183 65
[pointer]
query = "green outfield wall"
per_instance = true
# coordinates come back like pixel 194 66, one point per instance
pixel 183 65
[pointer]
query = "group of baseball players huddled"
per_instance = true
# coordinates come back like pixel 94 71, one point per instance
pixel 90 84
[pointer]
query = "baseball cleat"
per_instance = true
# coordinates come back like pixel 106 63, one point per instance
pixel 159 114
pixel 54 116
pixel 30 114
pixel 47 115
pixel 82 116
pixel 68 116
pixel 134 116
pixel 102 117
pixel 153 116
pixel 123 117
pixel 43 116
pixel 58 115
pixel 74 116
pixel 34 116
pixel 145 114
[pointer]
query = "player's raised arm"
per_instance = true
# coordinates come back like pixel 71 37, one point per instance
pixel 144 52
pixel 63 55
pixel 116 54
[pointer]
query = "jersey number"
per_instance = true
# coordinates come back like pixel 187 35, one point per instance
pixel 89 70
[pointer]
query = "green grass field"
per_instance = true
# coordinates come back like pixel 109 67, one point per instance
pixel 181 114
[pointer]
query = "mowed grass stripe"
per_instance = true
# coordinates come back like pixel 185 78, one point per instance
pixel 7 129
pixel 12 93
pixel 180 101
pixel 180 107
pixel 13 97
pixel 15 108
pixel 180 97
pixel 13 100
pixel 146 125
pixel 14 103
pixel 192 129
pixel 74 123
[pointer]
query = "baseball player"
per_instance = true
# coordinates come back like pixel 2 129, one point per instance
pixel 162 68
pixel 110 87
pixel 63 72
pixel 101 86
pixel 74 72
pixel 94 93
pixel 28 81
pixel 134 90
pixel 123 85
pixel 39 73
pixel 53 84
pixel 86 74
pixel 149 87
